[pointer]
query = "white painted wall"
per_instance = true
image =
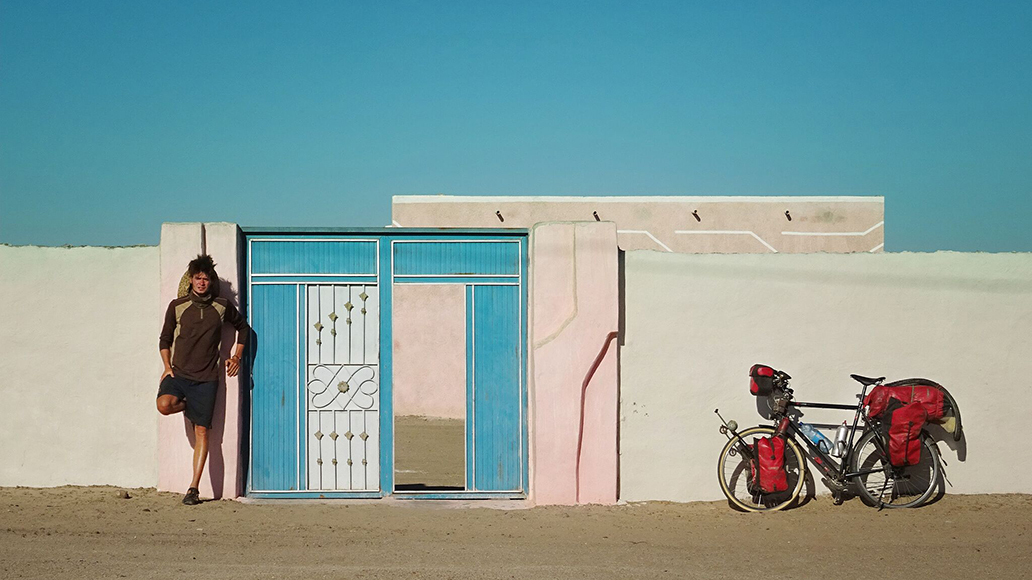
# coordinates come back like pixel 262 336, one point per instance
pixel 696 323
pixel 79 366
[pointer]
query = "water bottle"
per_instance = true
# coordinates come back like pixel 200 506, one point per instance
pixel 840 440
pixel 815 437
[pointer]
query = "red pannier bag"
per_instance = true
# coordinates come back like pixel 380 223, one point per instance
pixel 761 380
pixel 767 469
pixel 905 421
pixel 930 397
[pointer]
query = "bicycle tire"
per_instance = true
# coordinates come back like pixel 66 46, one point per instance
pixel 894 487
pixel 733 472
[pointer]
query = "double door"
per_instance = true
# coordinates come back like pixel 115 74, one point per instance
pixel 323 419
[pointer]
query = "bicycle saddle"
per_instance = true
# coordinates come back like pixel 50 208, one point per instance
pixel 867 381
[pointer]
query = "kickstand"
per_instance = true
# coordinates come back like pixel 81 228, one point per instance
pixel 881 501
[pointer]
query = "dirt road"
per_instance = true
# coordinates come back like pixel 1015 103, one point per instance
pixel 92 533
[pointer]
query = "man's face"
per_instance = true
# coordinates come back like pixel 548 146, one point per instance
pixel 200 282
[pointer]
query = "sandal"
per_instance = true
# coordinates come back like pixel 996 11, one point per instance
pixel 192 496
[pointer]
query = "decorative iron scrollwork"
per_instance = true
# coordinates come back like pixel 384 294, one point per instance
pixel 352 385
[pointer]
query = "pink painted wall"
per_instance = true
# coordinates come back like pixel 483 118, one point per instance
pixel 574 391
pixel 429 357
pixel 180 243
pixel 223 475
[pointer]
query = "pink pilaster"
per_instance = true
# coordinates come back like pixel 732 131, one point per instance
pixel 223 475
pixel 574 315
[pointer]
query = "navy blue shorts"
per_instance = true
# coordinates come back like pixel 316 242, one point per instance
pixel 200 398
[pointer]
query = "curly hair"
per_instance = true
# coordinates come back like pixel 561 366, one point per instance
pixel 202 264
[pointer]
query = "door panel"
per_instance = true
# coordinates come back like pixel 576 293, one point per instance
pixel 274 399
pixel 342 400
pixel 494 335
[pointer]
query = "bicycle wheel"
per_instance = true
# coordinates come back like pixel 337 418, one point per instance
pixel 733 474
pixel 894 487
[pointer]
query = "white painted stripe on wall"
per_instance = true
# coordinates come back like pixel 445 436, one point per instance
pixel 644 232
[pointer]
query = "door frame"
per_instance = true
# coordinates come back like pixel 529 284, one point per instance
pixel 385 278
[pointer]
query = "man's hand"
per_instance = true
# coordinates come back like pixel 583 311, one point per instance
pixel 168 373
pixel 233 365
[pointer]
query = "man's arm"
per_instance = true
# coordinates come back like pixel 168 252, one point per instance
pixel 168 329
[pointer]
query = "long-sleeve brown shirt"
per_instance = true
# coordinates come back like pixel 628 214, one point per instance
pixel 193 332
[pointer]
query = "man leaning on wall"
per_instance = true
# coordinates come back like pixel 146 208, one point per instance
pixel 189 346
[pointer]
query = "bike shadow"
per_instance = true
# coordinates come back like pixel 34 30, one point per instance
pixel 810 492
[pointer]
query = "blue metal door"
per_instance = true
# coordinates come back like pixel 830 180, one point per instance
pixel 493 273
pixel 316 409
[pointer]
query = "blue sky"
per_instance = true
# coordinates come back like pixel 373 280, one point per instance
pixel 117 116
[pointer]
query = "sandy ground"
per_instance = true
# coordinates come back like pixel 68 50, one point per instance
pixel 75 532
pixel 429 452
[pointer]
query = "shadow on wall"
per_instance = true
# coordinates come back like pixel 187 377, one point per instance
pixel 621 330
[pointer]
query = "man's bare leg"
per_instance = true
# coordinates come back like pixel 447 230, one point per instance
pixel 170 405
pixel 200 453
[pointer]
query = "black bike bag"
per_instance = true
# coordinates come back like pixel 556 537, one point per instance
pixel 761 380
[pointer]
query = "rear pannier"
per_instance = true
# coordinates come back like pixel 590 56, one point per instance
pixel 940 406
pixel 903 423
pixel 767 469
pixel 929 397
pixel 761 380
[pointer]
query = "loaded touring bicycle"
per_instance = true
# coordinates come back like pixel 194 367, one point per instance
pixel 886 456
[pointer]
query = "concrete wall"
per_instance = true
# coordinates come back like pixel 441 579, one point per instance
pixel 79 366
pixel 695 324
pixel 573 386
pixel 224 473
pixel 684 224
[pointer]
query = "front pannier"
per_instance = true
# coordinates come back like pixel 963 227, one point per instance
pixel 761 380
pixel 767 469
pixel 904 423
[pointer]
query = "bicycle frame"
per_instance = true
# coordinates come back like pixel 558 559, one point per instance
pixel 825 463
